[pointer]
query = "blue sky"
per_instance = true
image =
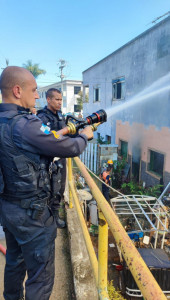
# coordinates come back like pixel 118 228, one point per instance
pixel 80 31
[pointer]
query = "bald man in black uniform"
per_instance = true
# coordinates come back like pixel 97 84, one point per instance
pixel 25 145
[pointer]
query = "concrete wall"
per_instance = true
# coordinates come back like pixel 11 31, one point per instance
pixel 146 138
pixel 142 61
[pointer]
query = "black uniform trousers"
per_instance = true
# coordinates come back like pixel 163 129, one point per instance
pixel 63 177
pixel 31 248
pixel 105 191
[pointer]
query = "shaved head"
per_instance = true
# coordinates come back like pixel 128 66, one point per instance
pixel 12 76
pixel 18 86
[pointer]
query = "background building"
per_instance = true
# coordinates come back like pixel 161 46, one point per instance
pixel 70 90
pixel 142 131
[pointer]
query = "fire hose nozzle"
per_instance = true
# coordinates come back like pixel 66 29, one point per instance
pixel 72 127
pixel 99 116
pixel 74 124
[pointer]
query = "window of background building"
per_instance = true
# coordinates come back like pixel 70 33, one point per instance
pixel 156 163
pixel 98 135
pixel 96 96
pixel 118 88
pixel 77 108
pixel 77 89
pixel 124 149
pixel 108 139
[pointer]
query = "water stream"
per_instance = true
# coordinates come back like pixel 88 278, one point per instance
pixel 158 87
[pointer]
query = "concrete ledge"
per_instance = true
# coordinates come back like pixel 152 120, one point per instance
pixel 84 282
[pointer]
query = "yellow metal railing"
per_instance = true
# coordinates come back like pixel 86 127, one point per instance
pixel 142 275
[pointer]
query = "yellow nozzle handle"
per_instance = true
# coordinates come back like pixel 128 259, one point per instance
pixel 95 125
pixel 71 128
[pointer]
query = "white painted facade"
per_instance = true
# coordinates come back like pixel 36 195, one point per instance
pixel 140 62
pixel 137 68
pixel 68 88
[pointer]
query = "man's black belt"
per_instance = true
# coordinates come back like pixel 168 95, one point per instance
pixel 34 207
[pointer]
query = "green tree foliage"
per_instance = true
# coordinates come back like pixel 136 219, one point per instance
pixel 80 100
pixel 86 98
pixel 33 68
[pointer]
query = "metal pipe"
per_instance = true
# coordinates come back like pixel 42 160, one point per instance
pixel 70 179
pixel 164 191
pixel 142 275
pixel 86 235
pixel 145 214
pixel 163 238
pixel 102 257
pixel 156 234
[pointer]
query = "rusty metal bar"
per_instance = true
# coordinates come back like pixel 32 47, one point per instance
pixel 142 275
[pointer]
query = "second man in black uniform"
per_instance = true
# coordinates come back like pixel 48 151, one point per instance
pixel 51 116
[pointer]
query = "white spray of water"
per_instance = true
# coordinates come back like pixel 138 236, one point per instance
pixel 158 87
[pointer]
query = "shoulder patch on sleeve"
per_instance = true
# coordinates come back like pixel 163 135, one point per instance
pixel 45 129
pixel 56 135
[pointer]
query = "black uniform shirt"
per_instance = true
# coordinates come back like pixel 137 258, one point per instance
pixel 32 135
pixel 55 121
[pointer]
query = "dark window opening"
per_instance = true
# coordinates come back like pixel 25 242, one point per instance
pixel 96 94
pixel 108 139
pixel 136 156
pixel 77 108
pixel 118 88
pixel 77 89
pixel 156 163
pixel 123 149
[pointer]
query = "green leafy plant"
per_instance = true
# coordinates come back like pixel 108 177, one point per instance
pixel 118 173
pixel 102 141
pixel 133 188
pixel 154 190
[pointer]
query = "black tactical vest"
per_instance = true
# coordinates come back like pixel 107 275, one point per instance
pixel 22 174
pixel 57 120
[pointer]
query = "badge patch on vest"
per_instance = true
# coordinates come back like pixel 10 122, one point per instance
pixel 45 129
pixel 56 135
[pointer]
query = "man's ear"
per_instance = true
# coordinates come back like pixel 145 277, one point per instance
pixel 48 99
pixel 17 91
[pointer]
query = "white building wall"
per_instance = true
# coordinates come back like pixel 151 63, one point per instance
pixel 141 61
pixel 67 88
